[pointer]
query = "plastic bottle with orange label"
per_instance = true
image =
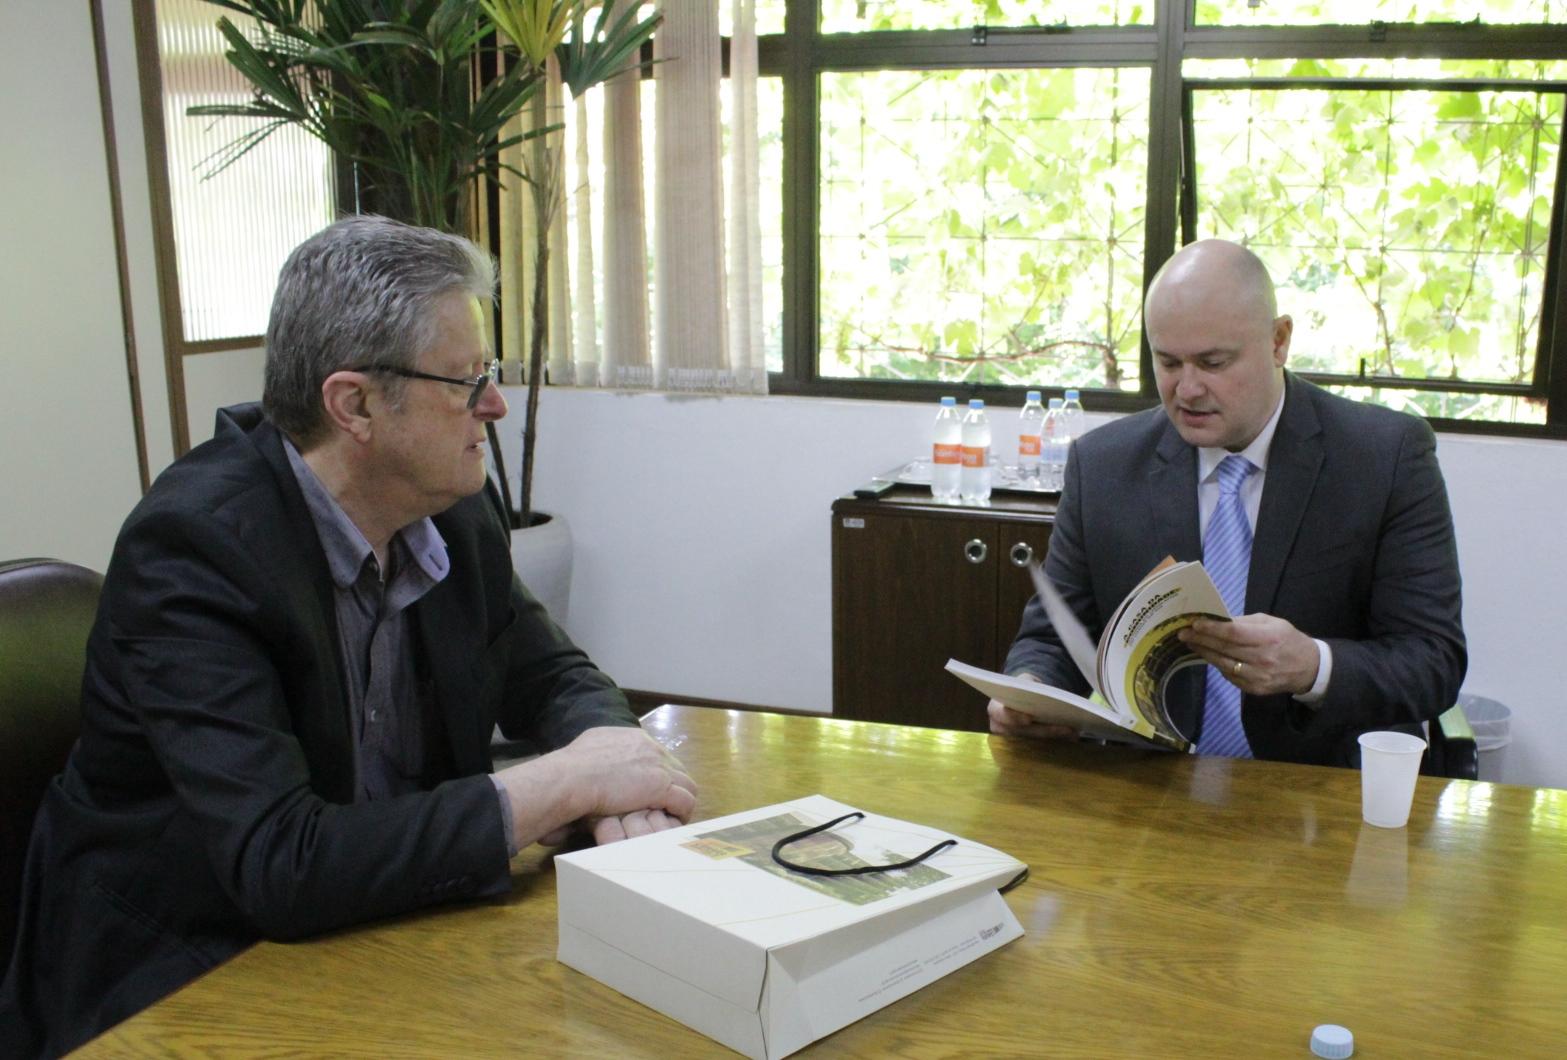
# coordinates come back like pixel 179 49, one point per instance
pixel 946 452
pixel 974 477
pixel 1029 423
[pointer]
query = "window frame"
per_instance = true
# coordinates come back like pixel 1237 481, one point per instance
pixel 800 54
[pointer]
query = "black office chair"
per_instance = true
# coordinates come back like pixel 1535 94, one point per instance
pixel 46 610
pixel 1450 747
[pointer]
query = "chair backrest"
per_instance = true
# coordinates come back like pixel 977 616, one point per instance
pixel 46 611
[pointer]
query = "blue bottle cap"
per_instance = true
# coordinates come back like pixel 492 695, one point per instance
pixel 950 402
pixel 975 403
pixel 1071 395
pixel 1332 1041
pixel 1033 395
pixel 1055 403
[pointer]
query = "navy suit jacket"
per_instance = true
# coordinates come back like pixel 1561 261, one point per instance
pixel 210 800
pixel 1353 545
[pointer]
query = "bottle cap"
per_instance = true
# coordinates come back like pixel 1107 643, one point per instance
pixel 1332 1041
pixel 950 402
pixel 975 403
pixel 1071 395
pixel 1033 395
pixel 1055 403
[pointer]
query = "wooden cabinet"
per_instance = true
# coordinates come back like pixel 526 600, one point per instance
pixel 917 583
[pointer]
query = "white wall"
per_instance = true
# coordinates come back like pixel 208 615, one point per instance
pixel 68 470
pixel 703 560
pixel 217 380
pixel 1509 498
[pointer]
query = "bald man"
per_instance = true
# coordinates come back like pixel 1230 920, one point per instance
pixel 1352 598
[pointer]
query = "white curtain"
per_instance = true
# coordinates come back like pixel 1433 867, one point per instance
pixel 704 331
pixel 584 332
pixel 747 356
pixel 689 347
pixel 541 157
pixel 626 357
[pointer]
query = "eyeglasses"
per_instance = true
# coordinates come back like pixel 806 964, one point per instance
pixel 479 383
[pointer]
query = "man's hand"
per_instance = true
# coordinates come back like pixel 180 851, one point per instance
pixel 1260 654
pixel 617 779
pixel 1005 721
pixel 624 770
pixel 631 825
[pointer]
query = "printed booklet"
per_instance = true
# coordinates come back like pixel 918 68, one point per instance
pixel 1131 667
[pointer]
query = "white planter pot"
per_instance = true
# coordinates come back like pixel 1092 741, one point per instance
pixel 541 555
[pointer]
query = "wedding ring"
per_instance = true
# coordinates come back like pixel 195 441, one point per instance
pixel 1235 671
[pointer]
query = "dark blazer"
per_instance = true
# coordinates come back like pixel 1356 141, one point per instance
pixel 1353 545
pixel 210 800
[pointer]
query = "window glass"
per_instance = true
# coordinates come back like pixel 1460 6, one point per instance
pixel 855 16
pixel 233 231
pixel 1407 229
pixel 983 226
pixel 1428 69
pixel 1361 12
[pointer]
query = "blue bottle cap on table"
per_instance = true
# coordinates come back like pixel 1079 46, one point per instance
pixel 1332 1041
pixel 950 402
pixel 1032 395
pixel 1072 395
pixel 975 403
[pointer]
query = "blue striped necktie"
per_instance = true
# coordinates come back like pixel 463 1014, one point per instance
pixel 1226 553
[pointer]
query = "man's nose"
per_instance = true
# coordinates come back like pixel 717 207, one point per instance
pixel 1189 382
pixel 491 404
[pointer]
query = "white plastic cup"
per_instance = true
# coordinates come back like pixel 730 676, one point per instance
pixel 1389 764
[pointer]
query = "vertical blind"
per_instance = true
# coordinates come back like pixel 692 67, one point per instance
pixel 232 230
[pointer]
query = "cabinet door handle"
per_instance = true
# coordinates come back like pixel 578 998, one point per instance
pixel 975 551
pixel 1021 554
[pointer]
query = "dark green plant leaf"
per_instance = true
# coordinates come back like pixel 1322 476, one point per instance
pixel 588 59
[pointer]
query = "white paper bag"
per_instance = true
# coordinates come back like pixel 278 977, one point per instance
pixel 700 923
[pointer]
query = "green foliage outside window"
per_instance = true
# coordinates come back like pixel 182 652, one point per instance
pixel 1360 12
pixel 1406 229
pixel 983 226
pixel 853 16
pixel 1400 69
pixel 987 227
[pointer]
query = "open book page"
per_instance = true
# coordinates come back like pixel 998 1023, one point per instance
pixel 1141 649
pixel 1074 636
pixel 1048 704
pixel 1115 619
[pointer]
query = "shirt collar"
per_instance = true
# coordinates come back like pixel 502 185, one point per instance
pixel 1209 457
pixel 345 546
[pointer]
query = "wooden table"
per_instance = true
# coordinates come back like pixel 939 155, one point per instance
pixel 1178 906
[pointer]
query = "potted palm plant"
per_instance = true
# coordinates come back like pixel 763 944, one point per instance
pixel 417 96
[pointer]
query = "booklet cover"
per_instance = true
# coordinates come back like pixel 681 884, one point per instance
pixel 702 924
pixel 1129 669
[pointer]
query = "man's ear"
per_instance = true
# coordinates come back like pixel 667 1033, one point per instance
pixel 347 399
pixel 1283 328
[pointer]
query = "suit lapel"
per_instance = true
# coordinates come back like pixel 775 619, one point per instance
pixel 447 617
pixel 1172 495
pixel 301 569
pixel 1294 461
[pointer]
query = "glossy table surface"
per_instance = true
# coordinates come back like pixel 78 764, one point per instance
pixel 1177 906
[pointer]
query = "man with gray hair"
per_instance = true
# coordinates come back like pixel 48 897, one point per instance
pixel 1326 519
pixel 309 629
